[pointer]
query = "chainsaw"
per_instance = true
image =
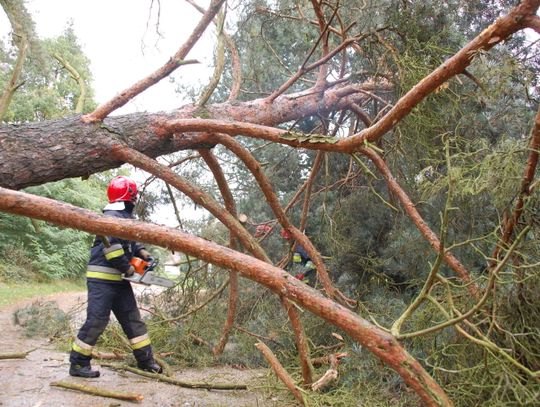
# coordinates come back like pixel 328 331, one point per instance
pixel 144 273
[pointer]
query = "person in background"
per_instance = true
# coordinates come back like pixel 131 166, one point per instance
pixel 108 291
pixel 303 267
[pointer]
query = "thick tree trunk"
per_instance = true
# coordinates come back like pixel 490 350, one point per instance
pixel 36 153
pixel 380 343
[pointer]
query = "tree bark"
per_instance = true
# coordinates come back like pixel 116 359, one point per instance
pixel 36 153
pixel 280 371
pixel 380 343
pixel 301 341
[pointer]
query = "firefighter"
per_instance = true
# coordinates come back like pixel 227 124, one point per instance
pixel 108 291
pixel 302 265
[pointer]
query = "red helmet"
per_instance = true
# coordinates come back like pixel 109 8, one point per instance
pixel 261 230
pixel 122 189
pixel 285 234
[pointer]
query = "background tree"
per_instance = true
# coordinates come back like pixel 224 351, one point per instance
pixel 45 89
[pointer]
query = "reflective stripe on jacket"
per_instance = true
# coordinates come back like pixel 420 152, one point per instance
pixel 108 263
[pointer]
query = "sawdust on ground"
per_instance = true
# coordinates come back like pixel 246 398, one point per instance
pixel 26 382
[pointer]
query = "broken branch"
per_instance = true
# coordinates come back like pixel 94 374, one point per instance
pixel 99 392
pixel 20 355
pixel 280 372
pixel 176 382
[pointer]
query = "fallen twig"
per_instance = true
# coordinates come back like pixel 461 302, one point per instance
pixel 197 340
pixel 260 337
pixel 324 360
pixel 121 355
pixel 20 355
pixel 170 380
pixel 108 356
pixel 280 371
pixel 166 367
pixel 99 392
pixel 330 376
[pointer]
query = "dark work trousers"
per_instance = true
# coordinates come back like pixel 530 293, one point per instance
pixel 104 297
pixel 310 277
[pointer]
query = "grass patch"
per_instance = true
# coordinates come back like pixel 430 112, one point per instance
pixel 11 293
pixel 42 318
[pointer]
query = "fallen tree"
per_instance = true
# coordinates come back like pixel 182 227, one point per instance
pixel 379 342
pixel 35 153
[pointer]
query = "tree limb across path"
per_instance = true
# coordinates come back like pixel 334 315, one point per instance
pixel 377 341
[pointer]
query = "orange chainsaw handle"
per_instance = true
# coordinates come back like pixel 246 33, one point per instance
pixel 138 264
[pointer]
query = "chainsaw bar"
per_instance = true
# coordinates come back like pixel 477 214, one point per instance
pixel 150 278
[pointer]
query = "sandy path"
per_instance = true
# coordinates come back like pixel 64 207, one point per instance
pixel 25 382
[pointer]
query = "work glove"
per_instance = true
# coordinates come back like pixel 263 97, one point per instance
pixel 299 276
pixel 130 271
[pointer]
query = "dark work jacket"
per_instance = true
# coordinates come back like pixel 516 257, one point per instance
pixel 107 264
pixel 303 254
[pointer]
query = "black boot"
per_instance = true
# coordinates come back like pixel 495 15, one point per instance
pixel 83 371
pixel 150 366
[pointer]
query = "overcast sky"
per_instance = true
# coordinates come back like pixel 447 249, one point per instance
pixel 119 37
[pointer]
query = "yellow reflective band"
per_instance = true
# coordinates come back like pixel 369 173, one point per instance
pixel 138 338
pixel 296 258
pixel 78 349
pixel 114 254
pixel 310 265
pixel 104 276
pixel 140 344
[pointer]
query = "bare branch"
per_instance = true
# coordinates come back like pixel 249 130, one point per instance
pixel 417 219
pixel 329 376
pixel 235 57
pixel 308 187
pixel 280 371
pixel 374 339
pixel 272 200
pixel 12 85
pixel 500 30
pixel 525 189
pixel 214 166
pixel 301 341
pixel 80 81
pixel 304 69
pixel 219 64
pixel 198 196
pixel 174 62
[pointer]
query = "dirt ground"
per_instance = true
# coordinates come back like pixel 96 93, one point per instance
pixel 26 382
